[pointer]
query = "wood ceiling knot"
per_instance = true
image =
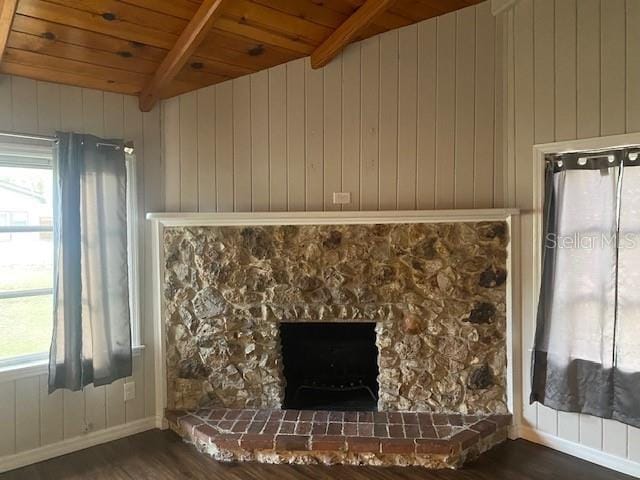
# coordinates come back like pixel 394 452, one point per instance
pixel 108 16
pixel 183 45
pixel 255 51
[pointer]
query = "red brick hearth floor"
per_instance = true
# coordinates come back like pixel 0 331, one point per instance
pixel 372 438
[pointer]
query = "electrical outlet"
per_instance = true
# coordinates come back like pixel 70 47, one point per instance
pixel 129 391
pixel 341 197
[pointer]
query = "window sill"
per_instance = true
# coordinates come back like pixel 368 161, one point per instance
pixel 39 367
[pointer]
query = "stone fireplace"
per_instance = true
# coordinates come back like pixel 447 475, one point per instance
pixel 382 317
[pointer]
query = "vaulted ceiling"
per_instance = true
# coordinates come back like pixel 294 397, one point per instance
pixel 161 48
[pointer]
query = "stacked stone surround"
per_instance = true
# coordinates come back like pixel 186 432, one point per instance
pixel 354 438
pixel 436 292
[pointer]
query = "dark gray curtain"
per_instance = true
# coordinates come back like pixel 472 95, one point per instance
pixel 586 355
pixel 91 334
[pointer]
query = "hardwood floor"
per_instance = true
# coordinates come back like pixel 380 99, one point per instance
pixel 162 455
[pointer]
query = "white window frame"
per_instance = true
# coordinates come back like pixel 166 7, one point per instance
pixel 25 155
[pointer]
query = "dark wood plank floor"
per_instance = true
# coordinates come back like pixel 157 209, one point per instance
pixel 162 455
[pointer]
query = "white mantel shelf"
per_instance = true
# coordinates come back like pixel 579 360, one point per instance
pixel 160 221
pixel 167 219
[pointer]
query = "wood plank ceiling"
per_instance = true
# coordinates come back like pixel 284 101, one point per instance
pixel 120 45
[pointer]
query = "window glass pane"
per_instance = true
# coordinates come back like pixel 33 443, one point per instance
pixel 26 260
pixel 26 325
pixel 25 196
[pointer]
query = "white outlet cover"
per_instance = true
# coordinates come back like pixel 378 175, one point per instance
pixel 129 391
pixel 341 197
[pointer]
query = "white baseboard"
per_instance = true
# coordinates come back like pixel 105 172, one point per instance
pixel 80 442
pixel 592 455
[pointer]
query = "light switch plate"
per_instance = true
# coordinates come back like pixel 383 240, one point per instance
pixel 341 197
pixel 129 391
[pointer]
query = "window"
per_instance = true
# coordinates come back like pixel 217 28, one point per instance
pixel 26 257
pixel 26 252
pixel 588 334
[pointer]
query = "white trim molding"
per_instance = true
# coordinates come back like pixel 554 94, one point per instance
pixel 28 457
pixel 330 218
pixel 39 366
pixel 578 450
pixel 162 220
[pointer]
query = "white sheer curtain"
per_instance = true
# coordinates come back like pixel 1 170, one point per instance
pixel 587 349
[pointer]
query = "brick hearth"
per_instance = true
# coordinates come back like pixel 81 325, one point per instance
pixel 373 438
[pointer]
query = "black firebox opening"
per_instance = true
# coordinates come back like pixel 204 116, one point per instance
pixel 330 366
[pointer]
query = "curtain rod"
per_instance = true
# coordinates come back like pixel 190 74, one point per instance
pixel 632 152
pixel 128 148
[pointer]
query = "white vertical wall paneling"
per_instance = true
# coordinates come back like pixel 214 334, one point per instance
pixel 565 66
pixel 388 180
pixel 8 418
pixel 25 108
pixel 388 121
pixel 544 71
pixel 523 140
pixel 445 111
pixel 171 148
pixel 296 135
pixel 206 149
pixel 568 424
pixel 613 121
pixel 370 126
pixel 612 66
pixel 6 102
pixel 28 413
pixel 465 107
pixel 426 115
pixel 407 117
pixel 51 413
pixel 543 128
pixel 71 109
pixel 114 128
pixel 314 137
pixel 484 129
pixel 633 67
pixel 332 127
pixel 351 119
pixel 133 130
pixel 135 408
pixel 633 125
pixel 188 153
pixel 153 200
pixel 260 141
pixel 501 94
pixel 242 143
pixel 93 120
pixel 48 108
pixel 588 68
pixel 224 147
pixel 278 138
